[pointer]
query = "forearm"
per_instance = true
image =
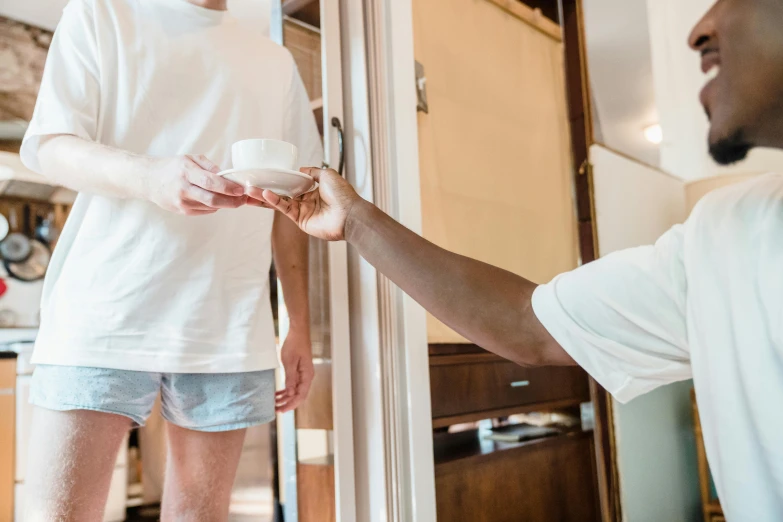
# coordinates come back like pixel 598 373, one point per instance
pixel 86 166
pixel 291 253
pixel 489 306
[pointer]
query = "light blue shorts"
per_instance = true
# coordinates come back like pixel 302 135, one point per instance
pixel 196 401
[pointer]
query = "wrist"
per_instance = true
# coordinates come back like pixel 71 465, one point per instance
pixel 358 215
pixel 299 327
pixel 146 167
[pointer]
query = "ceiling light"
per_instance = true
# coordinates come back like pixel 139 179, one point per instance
pixel 654 134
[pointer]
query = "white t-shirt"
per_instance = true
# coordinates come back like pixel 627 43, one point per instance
pixel 130 285
pixel 705 302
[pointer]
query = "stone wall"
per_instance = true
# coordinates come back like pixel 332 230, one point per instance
pixel 23 51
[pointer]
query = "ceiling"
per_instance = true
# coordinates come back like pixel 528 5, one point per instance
pixel 41 13
pixel 620 67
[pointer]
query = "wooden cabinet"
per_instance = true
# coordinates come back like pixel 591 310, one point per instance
pixel 487 385
pixel 710 503
pixel 538 481
pixel 476 479
pixel 316 478
pixel 494 157
pixel 7 417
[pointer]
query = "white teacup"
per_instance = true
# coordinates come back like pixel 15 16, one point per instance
pixel 263 154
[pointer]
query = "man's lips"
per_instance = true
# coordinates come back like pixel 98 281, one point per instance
pixel 710 66
pixel 710 60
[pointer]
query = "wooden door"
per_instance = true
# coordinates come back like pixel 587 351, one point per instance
pixel 497 185
pixel 494 151
pixel 7 422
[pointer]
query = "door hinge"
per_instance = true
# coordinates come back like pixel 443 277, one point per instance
pixel 421 90
pixel 586 168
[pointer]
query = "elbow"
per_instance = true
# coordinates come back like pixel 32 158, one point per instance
pixel 536 353
pixel 526 342
pixel 529 355
pixel 47 156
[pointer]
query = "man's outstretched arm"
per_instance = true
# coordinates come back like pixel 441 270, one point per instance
pixel 489 306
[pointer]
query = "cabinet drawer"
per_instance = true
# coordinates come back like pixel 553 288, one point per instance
pixel 494 384
pixel 552 480
pixel 7 374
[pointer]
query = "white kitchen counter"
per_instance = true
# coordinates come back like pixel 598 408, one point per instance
pixel 16 335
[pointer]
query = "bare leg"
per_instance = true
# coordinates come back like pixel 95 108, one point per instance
pixel 200 474
pixel 72 456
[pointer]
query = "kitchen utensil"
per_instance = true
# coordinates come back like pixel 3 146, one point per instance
pixel 27 228
pixel 5 228
pixel 34 267
pixel 284 182
pixel 46 232
pixel 7 318
pixel 15 247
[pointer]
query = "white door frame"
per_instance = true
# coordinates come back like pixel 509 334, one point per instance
pixel 395 476
pixel 342 444
pixel 342 390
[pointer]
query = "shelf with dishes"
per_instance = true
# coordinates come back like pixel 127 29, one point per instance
pixel 502 431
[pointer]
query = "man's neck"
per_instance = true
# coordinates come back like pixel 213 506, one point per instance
pixel 217 5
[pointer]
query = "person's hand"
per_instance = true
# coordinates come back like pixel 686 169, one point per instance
pixel 190 185
pixel 321 213
pixel 297 358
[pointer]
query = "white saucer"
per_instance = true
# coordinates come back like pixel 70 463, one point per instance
pixel 283 182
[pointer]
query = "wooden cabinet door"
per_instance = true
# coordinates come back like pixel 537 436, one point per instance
pixel 494 152
pixel 7 421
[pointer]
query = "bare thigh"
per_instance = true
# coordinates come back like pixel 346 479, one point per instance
pixel 72 456
pixel 200 474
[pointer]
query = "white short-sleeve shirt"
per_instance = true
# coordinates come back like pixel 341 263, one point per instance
pixel 706 301
pixel 130 285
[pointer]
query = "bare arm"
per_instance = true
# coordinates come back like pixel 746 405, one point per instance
pixel 86 166
pixel 489 306
pixel 183 184
pixel 291 253
pixel 290 248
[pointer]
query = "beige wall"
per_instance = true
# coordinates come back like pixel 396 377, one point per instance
pixel 656 457
pixel 494 150
pixel 696 190
pixel 634 203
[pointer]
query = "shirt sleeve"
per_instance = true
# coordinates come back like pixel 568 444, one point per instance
pixel 622 317
pixel 69 97
pixel 300 127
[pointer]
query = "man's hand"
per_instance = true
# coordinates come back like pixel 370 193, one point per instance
pixel 297 357
pixel 190 185
pixel 321 213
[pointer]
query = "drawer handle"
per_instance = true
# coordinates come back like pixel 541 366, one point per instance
pixel 7 391
pixel 520 384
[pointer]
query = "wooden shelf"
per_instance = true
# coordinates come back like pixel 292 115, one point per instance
pixel 318 461
pixel 539 480
pixel 442 422
pixel 532 17
pixel 315 413
pixel 307 11
pixel 316 490
pixel 467 358
pixel 453 349
pixel 449 447
pixel 317 106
